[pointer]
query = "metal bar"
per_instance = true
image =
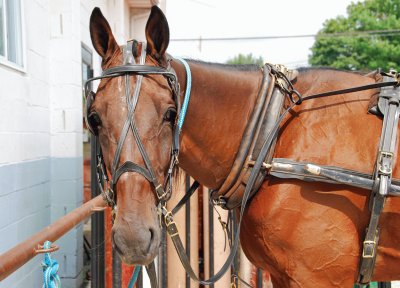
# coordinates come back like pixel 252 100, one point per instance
pixel 117 270
pixel 187 225
pixel 211 238
pixel 14 258
pixel 236 261
pixel 139 282
pixel 97 265
pixel 259 278
pixel 162 261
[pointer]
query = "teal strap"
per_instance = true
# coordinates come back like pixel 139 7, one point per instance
pixel 134 277
pixel 187 92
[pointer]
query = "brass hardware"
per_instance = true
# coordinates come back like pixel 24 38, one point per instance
pixel 40 249
pixel 367 242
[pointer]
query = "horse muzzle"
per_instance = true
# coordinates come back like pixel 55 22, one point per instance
pixel 135 242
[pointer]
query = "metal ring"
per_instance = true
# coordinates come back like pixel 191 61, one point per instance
pixel 298 95
pixel 40 249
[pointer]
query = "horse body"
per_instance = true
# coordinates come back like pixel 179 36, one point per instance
pixel 305 234
pixel 310 234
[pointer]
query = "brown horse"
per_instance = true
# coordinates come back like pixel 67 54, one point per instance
pixel 305 234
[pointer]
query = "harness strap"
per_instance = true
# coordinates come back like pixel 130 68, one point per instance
pixel 383 178
pixel 289 169
pixel 186 197
pixel 151 271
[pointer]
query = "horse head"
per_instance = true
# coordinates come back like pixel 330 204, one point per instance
pixel 133 113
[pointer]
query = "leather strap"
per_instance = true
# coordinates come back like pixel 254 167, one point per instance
pixel 151 271
pixel 383 177
pixel 186 197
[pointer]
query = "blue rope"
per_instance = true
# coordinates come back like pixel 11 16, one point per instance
pixel 187 92
pixel 134 277
pixel 50 269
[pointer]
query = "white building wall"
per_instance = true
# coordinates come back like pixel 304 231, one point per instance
pixel 41 129
pixel 25 166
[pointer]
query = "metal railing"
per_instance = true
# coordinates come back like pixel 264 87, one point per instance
pixel 16 257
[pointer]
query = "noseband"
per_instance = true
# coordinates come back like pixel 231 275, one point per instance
pixel 126 70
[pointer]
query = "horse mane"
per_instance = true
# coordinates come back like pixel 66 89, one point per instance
pixel 235 67
pixel 317 68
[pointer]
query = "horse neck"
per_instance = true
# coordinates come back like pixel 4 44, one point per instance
pixel 221 102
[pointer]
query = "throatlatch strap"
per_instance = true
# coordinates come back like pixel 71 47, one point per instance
pixel 383 178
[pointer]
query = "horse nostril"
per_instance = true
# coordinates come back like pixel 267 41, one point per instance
pixel 151 234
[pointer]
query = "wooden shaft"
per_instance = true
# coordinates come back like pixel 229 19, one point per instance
pixel 24 251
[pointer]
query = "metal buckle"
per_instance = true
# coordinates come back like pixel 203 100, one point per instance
pixel 161 193
pixel 169 220
pixel 385 170
pixel 369 242
pixel 220 201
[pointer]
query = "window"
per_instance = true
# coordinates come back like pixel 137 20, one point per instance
pixel 87 72
pixel 11 32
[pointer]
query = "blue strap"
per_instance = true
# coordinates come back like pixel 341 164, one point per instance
pixel 187 92
pixel 134 277
pixel 50 269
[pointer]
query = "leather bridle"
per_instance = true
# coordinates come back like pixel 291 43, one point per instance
pixel 126 70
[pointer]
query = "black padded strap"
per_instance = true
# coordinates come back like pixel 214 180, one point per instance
pixel 138 70
pixel 129 166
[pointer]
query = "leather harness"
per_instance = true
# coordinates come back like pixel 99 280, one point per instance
pixel 254 159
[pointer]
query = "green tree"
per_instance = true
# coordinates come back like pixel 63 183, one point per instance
pixel 367 39
pixel 246 59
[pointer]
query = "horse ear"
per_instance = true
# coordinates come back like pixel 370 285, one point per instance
pixel 157 33
pixel 102 38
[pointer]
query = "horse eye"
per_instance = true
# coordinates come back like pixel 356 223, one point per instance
pixel 170 116
pixel 94 122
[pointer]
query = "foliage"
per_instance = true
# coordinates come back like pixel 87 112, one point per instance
pixel 246 59
pixel 379 47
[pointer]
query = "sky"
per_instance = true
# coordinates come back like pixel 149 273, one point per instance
pixel 197 19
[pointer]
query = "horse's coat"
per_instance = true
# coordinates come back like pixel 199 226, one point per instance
pixel 305 234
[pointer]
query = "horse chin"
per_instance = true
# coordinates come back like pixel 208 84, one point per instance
pixel 134 257
pixel 136 249
pixel 138 260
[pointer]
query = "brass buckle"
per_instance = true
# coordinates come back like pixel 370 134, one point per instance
pixel 365 243
pixel 161 193
pixel 169 220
